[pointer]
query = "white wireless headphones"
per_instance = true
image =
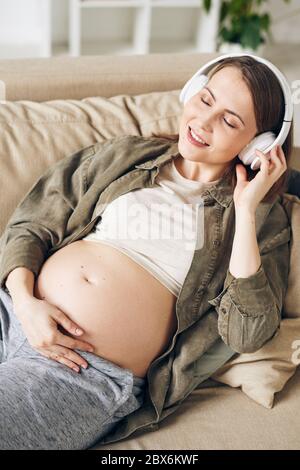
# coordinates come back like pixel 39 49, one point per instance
pixel 265 141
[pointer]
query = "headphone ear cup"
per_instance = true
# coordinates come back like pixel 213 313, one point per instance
pixel 261 142
pixel 192 86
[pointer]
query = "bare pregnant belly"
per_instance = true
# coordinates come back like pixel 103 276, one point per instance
pixel 125 312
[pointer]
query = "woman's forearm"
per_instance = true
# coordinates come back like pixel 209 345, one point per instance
pixel 245 257
pixel 20 283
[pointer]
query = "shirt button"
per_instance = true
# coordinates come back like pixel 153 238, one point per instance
pixel 216 242
pixel 223 310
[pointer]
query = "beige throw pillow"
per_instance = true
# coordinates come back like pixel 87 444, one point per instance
pixel 265 372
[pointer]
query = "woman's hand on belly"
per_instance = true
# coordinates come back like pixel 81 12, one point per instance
pixel 44 324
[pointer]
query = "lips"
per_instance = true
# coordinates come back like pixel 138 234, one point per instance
pixel 191 139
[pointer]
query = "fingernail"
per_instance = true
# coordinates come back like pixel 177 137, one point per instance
pixel 76 369
pixel 78 331
pixel 85 366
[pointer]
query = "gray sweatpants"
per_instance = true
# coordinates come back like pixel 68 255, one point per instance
pixel 46 405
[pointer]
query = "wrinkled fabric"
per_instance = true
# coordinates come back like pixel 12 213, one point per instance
pixel 66 203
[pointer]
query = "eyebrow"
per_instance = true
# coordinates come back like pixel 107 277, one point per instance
pixel 227 110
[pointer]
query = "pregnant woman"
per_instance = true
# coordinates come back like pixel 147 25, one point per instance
pixel 85 313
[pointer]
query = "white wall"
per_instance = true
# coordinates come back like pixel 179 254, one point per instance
pixel 23 22
pixel 285 21
pixel 59 21
pixel 113 24
pixel 20 23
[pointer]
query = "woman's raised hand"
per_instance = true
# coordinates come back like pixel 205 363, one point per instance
pixel 248 194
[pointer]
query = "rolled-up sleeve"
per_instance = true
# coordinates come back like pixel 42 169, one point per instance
pixel 249 309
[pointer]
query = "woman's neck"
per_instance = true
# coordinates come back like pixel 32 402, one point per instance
pixel 199 171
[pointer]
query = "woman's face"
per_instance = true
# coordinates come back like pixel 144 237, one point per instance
pixel 209 115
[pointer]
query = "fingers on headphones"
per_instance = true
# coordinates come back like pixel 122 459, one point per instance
pixel 279 160
pixel 265 162
pixel 282 158
pixel 276 161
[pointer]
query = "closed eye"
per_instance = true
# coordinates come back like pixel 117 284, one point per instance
pixel 233 127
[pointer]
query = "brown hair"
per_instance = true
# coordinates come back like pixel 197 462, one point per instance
pixel 269 108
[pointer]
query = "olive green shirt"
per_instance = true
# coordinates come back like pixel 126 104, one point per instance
pixel 213 306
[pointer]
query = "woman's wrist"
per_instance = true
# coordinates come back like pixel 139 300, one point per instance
pixel 246 211
pixel 245 257
pixel 20 284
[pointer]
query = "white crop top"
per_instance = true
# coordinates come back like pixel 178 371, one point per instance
pixel 157 226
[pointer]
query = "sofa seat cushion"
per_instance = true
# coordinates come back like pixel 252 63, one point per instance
pixel 223 418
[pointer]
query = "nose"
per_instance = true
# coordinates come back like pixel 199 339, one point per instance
pixel 205 122
pixel 207 126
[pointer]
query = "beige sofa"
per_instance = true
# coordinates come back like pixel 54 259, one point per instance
pixel 56 106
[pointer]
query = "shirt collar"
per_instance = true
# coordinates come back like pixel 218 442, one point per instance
pixel 220 191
